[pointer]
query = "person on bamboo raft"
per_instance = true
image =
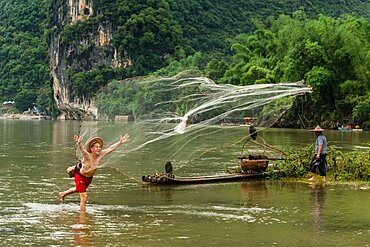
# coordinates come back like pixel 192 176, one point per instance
pixel 92 154
pixel 318 161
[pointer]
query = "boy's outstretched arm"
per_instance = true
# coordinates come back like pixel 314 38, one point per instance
pixel 78 140
pixel 123 139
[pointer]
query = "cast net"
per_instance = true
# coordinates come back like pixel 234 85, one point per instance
pixel 197 124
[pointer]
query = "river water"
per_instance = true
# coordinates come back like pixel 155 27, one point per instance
pixel 123 211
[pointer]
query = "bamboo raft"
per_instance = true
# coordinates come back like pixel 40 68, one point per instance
pixel 171 179
pixel 252 166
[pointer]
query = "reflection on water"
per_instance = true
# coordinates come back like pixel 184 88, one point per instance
pixel 318 192
pixel 182 215
pixel 254 188
pixel 82 233
pixel 64 222
pixel 165 192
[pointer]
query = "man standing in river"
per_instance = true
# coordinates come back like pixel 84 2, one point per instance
pixel 319 159
pixel 92 155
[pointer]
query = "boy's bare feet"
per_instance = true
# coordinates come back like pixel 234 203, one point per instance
pixel 61 197
pixel 312 179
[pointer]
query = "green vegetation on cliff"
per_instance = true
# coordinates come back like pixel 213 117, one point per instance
pixel 330 54
pixel 24 65
pixel 239 41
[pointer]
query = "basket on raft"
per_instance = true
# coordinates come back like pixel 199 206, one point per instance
pixel 254 163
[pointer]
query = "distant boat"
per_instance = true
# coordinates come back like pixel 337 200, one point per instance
pixel 344 129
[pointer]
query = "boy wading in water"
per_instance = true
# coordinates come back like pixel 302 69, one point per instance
pixel 92 155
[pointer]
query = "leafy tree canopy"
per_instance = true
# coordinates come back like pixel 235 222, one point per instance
pixel 24 68
pixel 238 41
pixel 330 54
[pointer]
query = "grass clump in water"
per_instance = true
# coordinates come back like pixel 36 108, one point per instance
pixel 341 166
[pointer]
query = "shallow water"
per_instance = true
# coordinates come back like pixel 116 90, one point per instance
pixel 122 211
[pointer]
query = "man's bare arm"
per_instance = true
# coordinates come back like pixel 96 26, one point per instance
pixel 319 152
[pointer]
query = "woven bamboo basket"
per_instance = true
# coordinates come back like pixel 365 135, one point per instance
pixel 255 165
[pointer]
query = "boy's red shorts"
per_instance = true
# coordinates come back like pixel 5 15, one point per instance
pixel 82 182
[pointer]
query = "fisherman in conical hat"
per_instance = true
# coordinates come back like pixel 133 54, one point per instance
pixel 92 154
pixel 318 161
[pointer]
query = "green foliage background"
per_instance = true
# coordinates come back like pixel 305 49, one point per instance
pixel 24 68
pixel 325 43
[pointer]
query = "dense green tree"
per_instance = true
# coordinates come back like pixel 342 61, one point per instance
pixel 87 83
pixel 325 52
pixel 270 42
pixel 361 112
pixel 25 100
pixel 117 99
pixel 216 67
pixel 197 61
pixel 24 64
pixel 148 34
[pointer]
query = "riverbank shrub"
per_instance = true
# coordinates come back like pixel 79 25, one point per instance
pixel 342 165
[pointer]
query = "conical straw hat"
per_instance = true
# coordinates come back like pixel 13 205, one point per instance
pixel 317 129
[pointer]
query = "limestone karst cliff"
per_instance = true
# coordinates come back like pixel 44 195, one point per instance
pixel 81 51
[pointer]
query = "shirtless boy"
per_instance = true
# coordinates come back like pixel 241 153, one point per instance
pixel 92 155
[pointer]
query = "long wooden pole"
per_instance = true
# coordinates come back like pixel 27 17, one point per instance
pixel 266 146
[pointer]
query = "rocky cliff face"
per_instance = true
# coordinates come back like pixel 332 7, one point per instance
pixel 98 52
